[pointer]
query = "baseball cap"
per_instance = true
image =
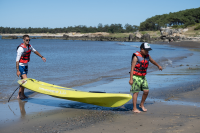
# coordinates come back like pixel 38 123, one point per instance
pixel 145 46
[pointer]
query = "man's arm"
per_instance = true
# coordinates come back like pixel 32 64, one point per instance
pixel 17 67
pixel 155 63
pixel 19 53
pixel 37 53
pixel 134 61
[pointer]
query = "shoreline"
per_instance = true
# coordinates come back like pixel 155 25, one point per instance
pixel 100 36
pixel 185 44
pixel 73 117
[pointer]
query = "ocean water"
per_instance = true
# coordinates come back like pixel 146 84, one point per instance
pixel 76 63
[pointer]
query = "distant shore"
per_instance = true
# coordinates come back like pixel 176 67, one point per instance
pixel 56 34
pixel 33 34
pixel 102 36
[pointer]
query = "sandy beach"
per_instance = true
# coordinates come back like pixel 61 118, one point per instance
pixel 174 108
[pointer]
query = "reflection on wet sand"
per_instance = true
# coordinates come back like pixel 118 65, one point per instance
pixel 22 109
pixel 21 106
pixel 11 110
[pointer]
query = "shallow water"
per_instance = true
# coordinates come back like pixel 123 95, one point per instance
pixel 75 63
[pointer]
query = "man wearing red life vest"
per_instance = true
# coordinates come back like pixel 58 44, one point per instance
pixel 23 57
pixel 138 82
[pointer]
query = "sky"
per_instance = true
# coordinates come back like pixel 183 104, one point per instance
pixel 64 13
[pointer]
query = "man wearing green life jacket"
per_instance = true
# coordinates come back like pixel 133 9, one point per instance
pixel 138 82
pixel 23 57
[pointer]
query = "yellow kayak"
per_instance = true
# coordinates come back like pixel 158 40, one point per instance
pixel 96 98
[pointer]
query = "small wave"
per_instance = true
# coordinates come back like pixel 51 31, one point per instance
pixel 120 43
pixel 166 63
pixel 134 46
pixel 4 98
pixel 163 61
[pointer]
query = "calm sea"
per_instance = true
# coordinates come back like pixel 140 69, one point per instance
pixel 74 63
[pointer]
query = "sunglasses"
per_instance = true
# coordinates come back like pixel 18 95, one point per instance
pixel 27 40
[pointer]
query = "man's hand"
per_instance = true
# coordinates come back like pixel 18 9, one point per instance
pixel 131 81
pixel 160 68
pixel 18 73
pixel 37 53
pixel 44 59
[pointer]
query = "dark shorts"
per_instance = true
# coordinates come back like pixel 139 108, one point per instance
pixel 139 84
pixel 23 70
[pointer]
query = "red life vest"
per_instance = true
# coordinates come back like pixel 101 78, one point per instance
pixel 25 57
pixel 141 65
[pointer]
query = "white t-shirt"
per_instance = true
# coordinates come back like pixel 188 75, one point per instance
pixel 20 50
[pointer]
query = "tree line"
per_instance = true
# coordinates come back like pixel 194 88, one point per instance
pixel 113 28
pixel 179 19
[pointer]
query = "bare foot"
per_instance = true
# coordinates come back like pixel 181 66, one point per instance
pixel 19 95
pixel 23 97
pixel 143 108
pixel 136 111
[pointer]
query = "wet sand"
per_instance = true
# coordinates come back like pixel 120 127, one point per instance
pixel 186 44
pixel 162 116
pixel 176 108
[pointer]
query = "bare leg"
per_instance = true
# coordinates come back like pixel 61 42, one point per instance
pixel 135 110
pixel 21 89
pixel 144 97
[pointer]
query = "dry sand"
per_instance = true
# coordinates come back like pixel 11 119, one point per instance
pixel 163 116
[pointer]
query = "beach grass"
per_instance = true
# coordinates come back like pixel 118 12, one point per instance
pixel 118 35
pixel 122 35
